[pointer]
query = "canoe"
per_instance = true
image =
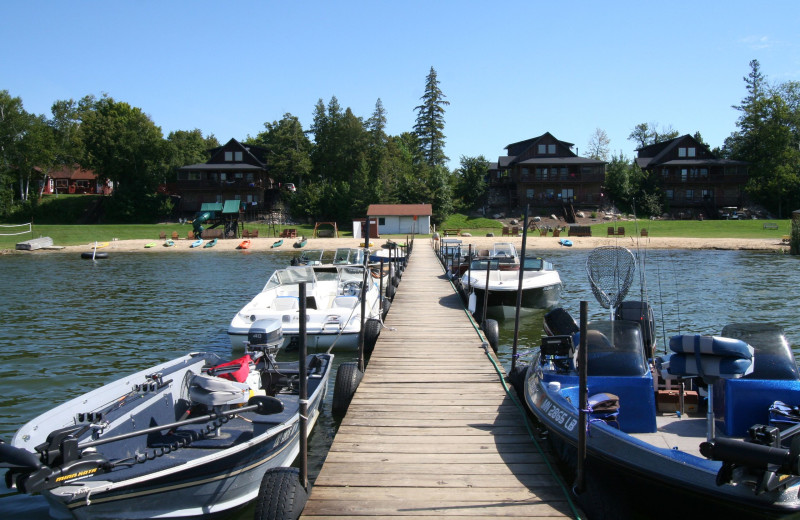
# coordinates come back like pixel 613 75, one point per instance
pixel 279 243
pixel 301 243
pixel 169 242
pixel 245 244
pixel 211 243
pixel 150 244
pixel 197 243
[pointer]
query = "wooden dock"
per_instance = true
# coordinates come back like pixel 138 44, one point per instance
pixel 431 431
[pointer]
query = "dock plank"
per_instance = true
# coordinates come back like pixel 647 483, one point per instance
pixel 430 431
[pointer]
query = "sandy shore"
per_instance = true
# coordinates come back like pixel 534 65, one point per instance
pixel 534 243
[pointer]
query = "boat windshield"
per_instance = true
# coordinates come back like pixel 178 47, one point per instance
pixel 290 275
pixel 348 256
pixel 536 264
pixel 615 348
pixel 773 358
pixel 311 257
pixel 351 273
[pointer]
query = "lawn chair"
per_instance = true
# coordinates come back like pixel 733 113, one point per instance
pixel 515 231
pixel 556 232
pixel 175 235
pixel 543 232
pixel 621 231
pixel 162 235
pixel 644 232
pixel 611 231
pixel 253 233
pixel 505 231
pixel 245 233
pixel 190 235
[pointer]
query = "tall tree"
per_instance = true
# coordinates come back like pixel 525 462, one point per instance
pixel 13 123
pixel 126 147
pixel 289 150
pixel 430 122
pixel 768 137
pixel 599 145
pixel 470 183
pixel 645 134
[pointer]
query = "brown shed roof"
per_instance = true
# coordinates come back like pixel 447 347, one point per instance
pixel 402 210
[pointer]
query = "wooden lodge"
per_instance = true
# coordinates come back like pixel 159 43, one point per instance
pixel 74 180
pixel 694 181
pixel 544 172
pixel 235 171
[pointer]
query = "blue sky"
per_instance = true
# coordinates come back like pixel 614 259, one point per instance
pixel 511 70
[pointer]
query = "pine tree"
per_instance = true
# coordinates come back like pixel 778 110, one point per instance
pixel 429 127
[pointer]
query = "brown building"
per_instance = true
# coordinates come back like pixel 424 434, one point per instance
pixel 74 179
pixel 693 179
pixel 234 172
pixel 545 173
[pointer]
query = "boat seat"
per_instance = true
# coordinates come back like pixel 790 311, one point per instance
pixel 216 391
pixel 286 303
pixel 348 302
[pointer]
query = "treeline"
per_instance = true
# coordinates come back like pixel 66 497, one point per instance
pixel 340 165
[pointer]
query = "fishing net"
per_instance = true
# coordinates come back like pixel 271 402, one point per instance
pixel 610 270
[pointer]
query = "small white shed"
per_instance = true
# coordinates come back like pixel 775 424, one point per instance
pixel 399 219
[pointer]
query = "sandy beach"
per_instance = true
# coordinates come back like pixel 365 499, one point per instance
pixel 534 243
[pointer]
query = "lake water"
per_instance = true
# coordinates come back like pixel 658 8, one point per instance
pixel 70 324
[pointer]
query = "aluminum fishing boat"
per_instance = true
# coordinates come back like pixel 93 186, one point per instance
pixel 187 438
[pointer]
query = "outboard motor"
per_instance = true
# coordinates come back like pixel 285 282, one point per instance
pixel 642 313
pixel 265 335
pixel 559 322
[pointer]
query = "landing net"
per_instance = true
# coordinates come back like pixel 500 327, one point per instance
pixel 610 270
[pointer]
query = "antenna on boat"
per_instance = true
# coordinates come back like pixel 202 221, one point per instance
pixel 519 288
pixel 303 397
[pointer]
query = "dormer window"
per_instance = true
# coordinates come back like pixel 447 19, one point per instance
pixel 687 152
pixel 233 156
pixel 543 149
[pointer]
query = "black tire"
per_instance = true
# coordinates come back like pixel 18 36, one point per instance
pixel 372 329
pixel 348 377
pixel 386 305
pixel 390 292
pixel 517 379
pixel 281 496
pixel 491 329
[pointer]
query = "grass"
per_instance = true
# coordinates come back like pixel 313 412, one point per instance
pixel 70 235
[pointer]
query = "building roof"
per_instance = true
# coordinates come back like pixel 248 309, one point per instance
pixel 401 210
pixel 72 172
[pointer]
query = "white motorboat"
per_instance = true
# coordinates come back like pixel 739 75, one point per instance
pixel 541 284
pixel 333 306
pixel 186 438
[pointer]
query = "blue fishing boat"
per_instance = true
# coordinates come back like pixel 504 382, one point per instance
pixel 712 424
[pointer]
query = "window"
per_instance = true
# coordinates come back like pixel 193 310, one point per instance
pixel 525 174
pixel 539 174
pixel 228 156
pixel 238 175
pixel 665 172
pixel 529 194
pixel 237 156
pixel 689 194
pixel 681 152
pixel 669 194
pixel 684 174
pixel 562 173
pixel 551 148
pixel 707 194
pixel 567 194
pixel 704 173
pixel 549 194
pixel 223 176
pixel 61 183
pixel 381 221
pixel 249 177
pixel 691 151
pixel 541 149
pixel 193 176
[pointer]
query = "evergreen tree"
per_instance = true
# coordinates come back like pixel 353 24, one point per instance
pixel 429 126
pixel 470 182
pixel 289 150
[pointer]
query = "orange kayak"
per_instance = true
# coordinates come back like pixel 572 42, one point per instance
pixel 244 245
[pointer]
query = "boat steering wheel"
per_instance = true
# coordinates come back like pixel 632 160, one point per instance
pixel 352 288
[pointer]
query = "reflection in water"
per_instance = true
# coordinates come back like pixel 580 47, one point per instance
pixel 71 324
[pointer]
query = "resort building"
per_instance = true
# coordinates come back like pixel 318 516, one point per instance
pixel 545 173
pixel 234 172
pixel 694 181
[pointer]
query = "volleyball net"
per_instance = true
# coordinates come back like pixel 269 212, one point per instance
pixel 7 230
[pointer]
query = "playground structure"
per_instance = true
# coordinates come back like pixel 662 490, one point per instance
pixel 213 215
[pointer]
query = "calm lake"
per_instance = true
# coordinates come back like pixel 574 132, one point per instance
pixel 71 325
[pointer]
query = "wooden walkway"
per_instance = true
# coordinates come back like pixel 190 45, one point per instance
pixel 430 431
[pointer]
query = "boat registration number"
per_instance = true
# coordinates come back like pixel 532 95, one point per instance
pixel 558 415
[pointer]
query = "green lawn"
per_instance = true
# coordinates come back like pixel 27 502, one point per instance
pixel 70 235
